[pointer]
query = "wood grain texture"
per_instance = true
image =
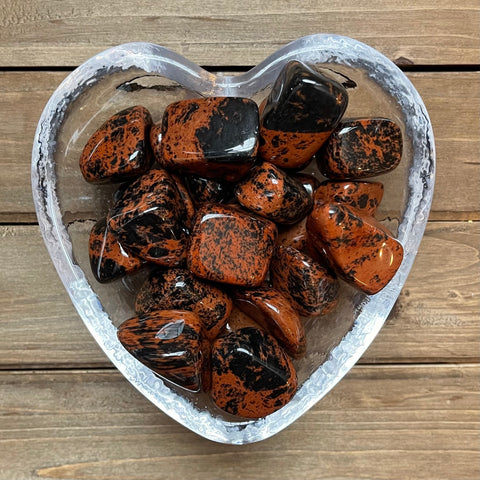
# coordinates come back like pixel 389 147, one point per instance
pixel 452 99
pixel 436 318
pixel 388 422
pixel 39 33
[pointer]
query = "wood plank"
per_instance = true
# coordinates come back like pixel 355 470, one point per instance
pixel 39 33
pixel 394 423
pixel 452 99
pixel 436 318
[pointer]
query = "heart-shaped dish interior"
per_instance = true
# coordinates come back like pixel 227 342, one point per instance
pixel 148 75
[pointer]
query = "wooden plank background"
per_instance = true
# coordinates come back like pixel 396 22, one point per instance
pixel 409 410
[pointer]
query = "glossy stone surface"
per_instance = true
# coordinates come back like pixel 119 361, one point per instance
pixel 213 137
pixel 169 343
pixel 251 375
pixel 364 196
pixel 268 191
pixel 293 235
pixel 309 182
pixel 270 309
pixel 230 246
pixel 310 287
pixel 361 148
pixel 207 190
pixel 156 141
pixel 119 149
pixel 299 114
pixel 108 259
pixel 360 248
pixel 148 219
pixel 177 288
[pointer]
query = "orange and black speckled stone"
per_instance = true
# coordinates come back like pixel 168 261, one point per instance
pixel 360 248
pixel 119 149
pixel 270 309
pixel 364 196
pixel 177 288
pixel 361 148
pixel 268 191
pixel 156 141
pixel 310 287
pixel 169 343
pixel 207 190
pixel 293 235
pixel 214 137
pixel 148 219
pixel 108 259
pixel 297 117
pixel 230 246
pixel 251 374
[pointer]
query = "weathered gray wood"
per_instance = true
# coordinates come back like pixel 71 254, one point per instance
pixel 388 422
pixel 39 33
pixel 452 99
pixel 436 318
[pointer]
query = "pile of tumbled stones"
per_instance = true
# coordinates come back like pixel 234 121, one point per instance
pixel 214 202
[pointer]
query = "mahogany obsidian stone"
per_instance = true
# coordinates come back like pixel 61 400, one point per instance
pixel 310 287
pixel 207 190
pixel 177 288
pixel 309 182
pixel 364 196
pixel 169 343
pixel 251 375
pixel 299 114
pixel 214 137
pixel 270 309
pixel 293 235
pixel 148 219
pixel 119 149
pixel 268 191
pixel 360 248
pixel 361 148
pixel 231 246
pixel 108 259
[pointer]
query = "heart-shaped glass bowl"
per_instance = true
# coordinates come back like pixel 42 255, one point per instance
pixel 149 75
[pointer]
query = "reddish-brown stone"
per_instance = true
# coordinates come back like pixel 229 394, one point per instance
pixel 310 287
pixel 270 309
pixel 169 343
pixel 119 150
pixel 251 375
pixel 361 148
pixel 230 246
pixel 268 191
pixel 360 248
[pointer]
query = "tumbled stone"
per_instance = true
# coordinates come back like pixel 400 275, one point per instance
pixel 169 343
pixel 251 375
pixel 119 149
pixel 270 309
pixel 108 259
pixel 310 287
pixel 156 141
pixel 177 288
pixel 309 182
pixel 361 148
pixel 364 196
pixel 293 235
pixel 207 190
pixel 360 248
pixel 213 137
pixel 230 246
pixel 268 191
pixel 297 117
pixel 148 219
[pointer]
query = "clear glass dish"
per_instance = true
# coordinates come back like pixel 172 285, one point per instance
pixel 146 74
